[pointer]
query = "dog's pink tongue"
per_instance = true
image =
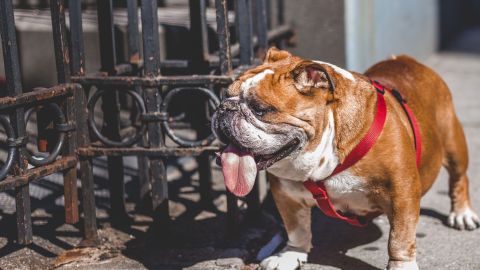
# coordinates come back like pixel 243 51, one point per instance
pixel 239 170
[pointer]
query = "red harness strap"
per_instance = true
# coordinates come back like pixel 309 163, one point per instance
pixel 411 118
pixel 318 189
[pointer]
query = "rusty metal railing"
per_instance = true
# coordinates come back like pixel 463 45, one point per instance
pixel 149 82
pixel 16 107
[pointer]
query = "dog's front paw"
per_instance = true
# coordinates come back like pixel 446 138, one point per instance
pixel 464 219
pixel 287 259
pixel 398 265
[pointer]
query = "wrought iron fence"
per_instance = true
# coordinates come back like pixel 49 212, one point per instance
pixel 16 107
pixel 67 114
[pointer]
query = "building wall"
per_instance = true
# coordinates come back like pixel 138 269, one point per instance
pixel 376 29
pixel 319 26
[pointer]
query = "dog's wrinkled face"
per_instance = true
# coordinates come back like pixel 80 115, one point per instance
pixel 275 110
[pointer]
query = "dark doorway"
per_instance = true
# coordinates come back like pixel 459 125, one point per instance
pixel 460 25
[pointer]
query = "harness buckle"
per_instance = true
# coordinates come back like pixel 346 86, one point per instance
pixel 398 96
pixel 379 87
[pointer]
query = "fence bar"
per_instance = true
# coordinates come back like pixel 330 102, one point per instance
pixel 14 87
pixel 268 6
pixel 277 35
pixel 280 21
pixel 261 13
pixel 111 113
pixel 37 96
pixel 223 32
pixel 151 45
pixel 280 12
pixel 62 57
pixel 150 152
pixel 133 32
pixel 244 31
pixel 77 47
pixel 198 35
pixel 63 76
pixel 37 173
pixel 155 81
pixel 253 201
pixel 134 56
pixel 152 98
pixel 90 234
pixel 199 58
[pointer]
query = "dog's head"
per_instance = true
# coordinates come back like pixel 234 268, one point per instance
pixel 273 111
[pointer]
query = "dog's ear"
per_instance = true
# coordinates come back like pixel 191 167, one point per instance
pixel 309 75
pixel 274 55
pixel 233 89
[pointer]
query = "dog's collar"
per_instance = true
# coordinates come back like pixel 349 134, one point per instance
pixel 318 189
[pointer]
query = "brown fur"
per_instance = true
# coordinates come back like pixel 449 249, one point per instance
pixel 394 181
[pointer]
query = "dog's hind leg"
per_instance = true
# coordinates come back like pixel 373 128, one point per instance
pixel 297 220
pixel 456 162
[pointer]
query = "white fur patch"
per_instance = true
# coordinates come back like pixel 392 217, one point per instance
pixel 466 219
pixel 348 194
pixel 346 191
pixel 346 74
pixel 254 80
pixel 307 165
pixel 285 260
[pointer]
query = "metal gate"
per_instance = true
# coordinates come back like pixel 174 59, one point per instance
pixel 58 102
pixel 151 85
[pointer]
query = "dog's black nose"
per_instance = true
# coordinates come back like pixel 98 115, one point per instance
pixel 229 105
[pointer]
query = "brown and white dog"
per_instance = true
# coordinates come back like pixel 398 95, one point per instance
pixel 281 116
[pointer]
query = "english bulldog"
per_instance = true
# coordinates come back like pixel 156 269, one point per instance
pixel 299 119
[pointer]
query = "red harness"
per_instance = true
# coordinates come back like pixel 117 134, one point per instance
pixel 318 189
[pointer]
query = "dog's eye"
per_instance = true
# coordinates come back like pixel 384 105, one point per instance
pixel 260 109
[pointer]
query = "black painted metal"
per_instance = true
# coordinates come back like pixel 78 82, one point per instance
pixel 153 81
pixel 62 59
pixel 261 27
pixel 199 37
pixel 12 147
pixel 151 46
pixel 15 173
pixel 225 66
pixel 134 41
pixel 199 121
pixel 165 121
pixel 59 121
pixel 69 110
pixel 280 20
pixel 111 113
pixel 281 12
pixel 244 31
pixel 133 32
pixel 153 99
pixel 83 140
pixel 223 33
pixel 14 87
pixel 106 140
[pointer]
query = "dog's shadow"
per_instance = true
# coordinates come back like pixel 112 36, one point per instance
pixel 332 239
